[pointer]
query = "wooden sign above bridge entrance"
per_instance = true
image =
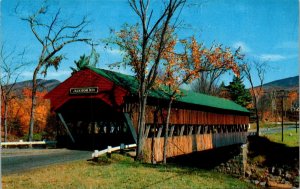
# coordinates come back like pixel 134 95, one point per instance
pixel 84 91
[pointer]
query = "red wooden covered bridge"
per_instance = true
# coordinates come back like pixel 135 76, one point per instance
pixel 98 107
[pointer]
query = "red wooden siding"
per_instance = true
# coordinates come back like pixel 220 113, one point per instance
pixel 187 116
pixel 109 92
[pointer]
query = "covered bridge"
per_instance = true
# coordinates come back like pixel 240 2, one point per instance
pixel 98 107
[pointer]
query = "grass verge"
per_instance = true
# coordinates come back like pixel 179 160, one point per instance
pixel 120 172
pixel 290 138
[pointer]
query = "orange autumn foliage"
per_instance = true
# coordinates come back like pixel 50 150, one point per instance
pixel 292 98
pixel 271 108
pixel 20 111
pixel 183 68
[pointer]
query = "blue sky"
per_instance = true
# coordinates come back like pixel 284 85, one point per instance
pixel 267 30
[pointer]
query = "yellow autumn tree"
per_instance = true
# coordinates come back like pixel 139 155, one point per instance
pixel 183 68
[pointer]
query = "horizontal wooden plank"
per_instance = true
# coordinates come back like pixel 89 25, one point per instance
pixel 186 144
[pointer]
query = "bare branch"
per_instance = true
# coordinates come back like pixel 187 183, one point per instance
pixel 51 26
pixel 61 46
pixel 133 5
pixel 54 35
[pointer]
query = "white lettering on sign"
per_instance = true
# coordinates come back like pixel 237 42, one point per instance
pixel 84 91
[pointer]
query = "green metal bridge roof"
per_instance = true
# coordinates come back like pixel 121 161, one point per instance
pixel 130 83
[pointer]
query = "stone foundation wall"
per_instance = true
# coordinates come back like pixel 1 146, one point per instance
pixel 237 165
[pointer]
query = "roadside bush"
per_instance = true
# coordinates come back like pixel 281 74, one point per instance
pixel 36 136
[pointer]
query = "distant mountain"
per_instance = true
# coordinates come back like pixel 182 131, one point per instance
pixel 43 84
pixel 290 83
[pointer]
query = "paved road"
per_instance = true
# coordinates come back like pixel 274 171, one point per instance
pixel 20 160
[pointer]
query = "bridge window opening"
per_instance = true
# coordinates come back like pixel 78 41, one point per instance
pixel 184 130
pixel 98 129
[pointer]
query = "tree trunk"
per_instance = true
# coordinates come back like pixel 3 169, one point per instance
pixel 166 132
pixel 31 123
pixel 5 120
pixel 33 104
pixel 141 125
pixel 0 113
pixel 256 115
pixel 155 121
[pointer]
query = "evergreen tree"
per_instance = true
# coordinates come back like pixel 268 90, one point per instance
pixel 238 93
pixel 84 61
pixel 222 86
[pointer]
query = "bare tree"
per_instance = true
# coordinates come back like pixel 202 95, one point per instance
pixel 208 82
pixel 153 35
pixel 53 34
pixel 273 103
pixel 11 64
pixel 264 103
pixel 259 70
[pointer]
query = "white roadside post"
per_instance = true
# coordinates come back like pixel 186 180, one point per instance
pixel 122 147
pixel 109 151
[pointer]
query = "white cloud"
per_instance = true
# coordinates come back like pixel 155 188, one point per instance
pixel 114 51
pixel 111 51
pixel 288 45
pixel 50 75
pixel 26 74
pixel 242 45
pixel 122 70
pixel 272 57
pixel 62 73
